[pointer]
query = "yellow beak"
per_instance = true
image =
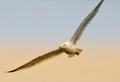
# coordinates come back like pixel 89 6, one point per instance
pixel 60 47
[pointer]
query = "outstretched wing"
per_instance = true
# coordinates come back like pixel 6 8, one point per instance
pixel 37 60
pixel 84 23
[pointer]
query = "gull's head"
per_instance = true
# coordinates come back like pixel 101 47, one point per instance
pixel 62 46
pixel 65 45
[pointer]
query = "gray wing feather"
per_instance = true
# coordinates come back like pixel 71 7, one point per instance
pixel 84 23
pixel 37 60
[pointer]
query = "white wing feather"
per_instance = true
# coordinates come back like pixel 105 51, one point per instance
pixel 84 23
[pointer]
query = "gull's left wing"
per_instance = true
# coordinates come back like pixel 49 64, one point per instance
pixel 84 23
pixel 38 60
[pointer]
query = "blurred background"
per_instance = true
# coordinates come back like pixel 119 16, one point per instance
pixel 30 28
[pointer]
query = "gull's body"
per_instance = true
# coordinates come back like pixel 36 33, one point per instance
pixel 70 49
pixel 67 47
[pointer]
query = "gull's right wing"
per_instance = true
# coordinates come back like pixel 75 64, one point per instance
pixel 38 60
pixel 84 23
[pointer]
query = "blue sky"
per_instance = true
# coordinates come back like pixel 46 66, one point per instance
pixel 36 20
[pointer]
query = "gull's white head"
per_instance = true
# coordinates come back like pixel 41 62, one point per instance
pixel 65 45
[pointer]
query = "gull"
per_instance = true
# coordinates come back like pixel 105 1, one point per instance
pixel 67 47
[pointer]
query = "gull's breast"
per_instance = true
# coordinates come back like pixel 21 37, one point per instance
pixel 70 50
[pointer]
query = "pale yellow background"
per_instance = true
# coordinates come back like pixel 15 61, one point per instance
pixel 97 63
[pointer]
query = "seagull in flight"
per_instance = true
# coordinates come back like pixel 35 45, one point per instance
pixel 67 47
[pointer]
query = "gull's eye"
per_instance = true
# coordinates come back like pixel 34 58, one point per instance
pixel 63 44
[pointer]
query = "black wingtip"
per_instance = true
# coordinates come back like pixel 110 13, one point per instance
pixel 102 0
pixel 11 71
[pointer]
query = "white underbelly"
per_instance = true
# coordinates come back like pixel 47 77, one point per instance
pixel 69 51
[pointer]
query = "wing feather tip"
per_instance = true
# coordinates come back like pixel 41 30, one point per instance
pixel 11 71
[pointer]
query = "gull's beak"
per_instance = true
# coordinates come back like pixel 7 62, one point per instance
pixel 60 47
